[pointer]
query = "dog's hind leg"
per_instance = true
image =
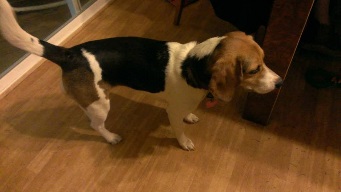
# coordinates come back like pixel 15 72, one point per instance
pixel 95 107
pixel 97 113
pixel 98 109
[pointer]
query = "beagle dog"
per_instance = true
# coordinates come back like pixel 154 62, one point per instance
pixel 182 74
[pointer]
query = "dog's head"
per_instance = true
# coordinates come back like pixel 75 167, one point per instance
pixel 238 61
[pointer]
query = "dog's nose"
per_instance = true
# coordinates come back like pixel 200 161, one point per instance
pixel 279 83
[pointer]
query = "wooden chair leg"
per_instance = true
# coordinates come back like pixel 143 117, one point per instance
pixel 179 5
pixel 286 24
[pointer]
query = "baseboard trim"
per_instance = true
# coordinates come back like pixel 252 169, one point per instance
pixel 30 62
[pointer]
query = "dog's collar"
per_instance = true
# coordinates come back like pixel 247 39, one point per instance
pixel 210 95
pixel 210 100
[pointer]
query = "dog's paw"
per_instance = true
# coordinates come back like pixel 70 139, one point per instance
pixel 113 138
pixel 187 144
pixel 191 118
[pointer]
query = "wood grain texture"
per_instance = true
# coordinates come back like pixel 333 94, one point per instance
pixel 286 24
pixel 46 143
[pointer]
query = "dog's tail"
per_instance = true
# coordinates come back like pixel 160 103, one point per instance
pixel 19 38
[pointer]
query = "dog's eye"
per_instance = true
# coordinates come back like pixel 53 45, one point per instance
pixel 252 72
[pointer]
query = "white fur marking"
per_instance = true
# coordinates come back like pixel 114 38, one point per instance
pixel 205 48
pixel 97 71
pixel 14 34
pixel 175 84
pixel 177 53
pixel 98 110
pixel 268 81
pixel 191 118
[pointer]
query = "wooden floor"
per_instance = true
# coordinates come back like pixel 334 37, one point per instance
pixel 46 143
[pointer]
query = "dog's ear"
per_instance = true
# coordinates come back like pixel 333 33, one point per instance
pixel 225 78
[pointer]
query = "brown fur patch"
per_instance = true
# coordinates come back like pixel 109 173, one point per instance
pixel 79 85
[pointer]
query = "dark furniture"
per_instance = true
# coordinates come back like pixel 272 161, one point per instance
pixel 179 5
pixel 285 27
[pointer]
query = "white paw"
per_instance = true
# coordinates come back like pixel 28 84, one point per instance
pixel 187 144
pixel 191 118
pixel 113 138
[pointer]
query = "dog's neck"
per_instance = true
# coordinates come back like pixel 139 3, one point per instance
pixel 195 67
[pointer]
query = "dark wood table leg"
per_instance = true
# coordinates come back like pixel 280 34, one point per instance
pixel 179 5
pixel 286 24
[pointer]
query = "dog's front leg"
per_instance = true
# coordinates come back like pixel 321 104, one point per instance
pixel 191 118
pixel 176 120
